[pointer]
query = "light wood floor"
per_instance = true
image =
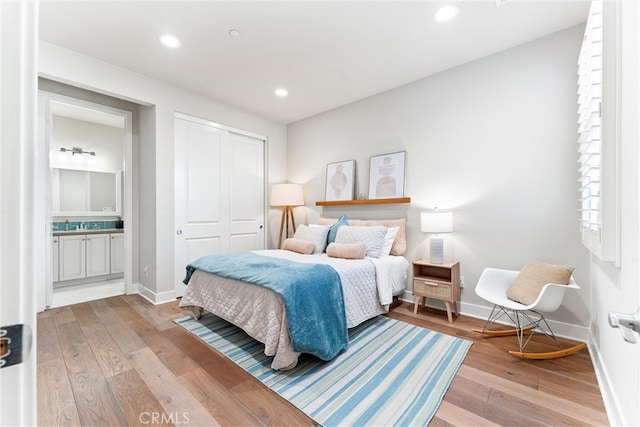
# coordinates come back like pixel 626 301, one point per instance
pixel 122 361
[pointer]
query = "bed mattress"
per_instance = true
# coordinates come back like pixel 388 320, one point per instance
pixel 368 287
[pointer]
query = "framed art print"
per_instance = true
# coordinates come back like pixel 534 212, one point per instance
pixel 340 180
pixel 386 176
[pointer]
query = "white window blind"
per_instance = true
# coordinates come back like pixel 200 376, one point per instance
pixel 590 122
pixel 599 120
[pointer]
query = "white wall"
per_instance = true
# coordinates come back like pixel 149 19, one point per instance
pixel 156 163
pixel 612 288
pixel 493 140
pixel 105 141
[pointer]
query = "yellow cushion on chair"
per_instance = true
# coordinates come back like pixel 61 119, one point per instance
pixel 531 279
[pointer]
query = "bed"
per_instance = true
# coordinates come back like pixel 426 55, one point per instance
pixel 367 285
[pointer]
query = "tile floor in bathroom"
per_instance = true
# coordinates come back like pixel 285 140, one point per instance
pixel 86 292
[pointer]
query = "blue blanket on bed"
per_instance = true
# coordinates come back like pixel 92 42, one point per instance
pixel 312 295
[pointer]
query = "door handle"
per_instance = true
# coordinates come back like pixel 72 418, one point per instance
pixel 627 323
pixel 15 344
pixel 179 232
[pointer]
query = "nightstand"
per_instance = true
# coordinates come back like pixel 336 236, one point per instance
pixel 438 281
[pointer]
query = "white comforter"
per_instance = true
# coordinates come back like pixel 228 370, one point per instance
pixel 368 286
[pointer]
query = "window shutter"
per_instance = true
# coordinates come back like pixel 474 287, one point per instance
pixel 599 119
pixel 590 122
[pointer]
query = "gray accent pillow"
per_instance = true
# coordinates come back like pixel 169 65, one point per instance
pixel 316 235
pixel 372 237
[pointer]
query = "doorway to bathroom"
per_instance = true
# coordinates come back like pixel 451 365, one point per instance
pixel 89 199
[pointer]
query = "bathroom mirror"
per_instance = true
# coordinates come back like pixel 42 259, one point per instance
pixel 84 193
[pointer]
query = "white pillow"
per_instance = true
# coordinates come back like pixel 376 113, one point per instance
pixel 389 237
pixel 372 236
pixel 315 235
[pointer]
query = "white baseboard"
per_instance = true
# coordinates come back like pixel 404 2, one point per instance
pixel 611 404
pixel 156 298
pixel 561 329
pixel 564 330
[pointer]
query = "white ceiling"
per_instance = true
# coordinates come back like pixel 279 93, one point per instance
pixel 326 53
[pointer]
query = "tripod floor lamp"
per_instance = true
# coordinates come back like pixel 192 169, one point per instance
pixel 287 196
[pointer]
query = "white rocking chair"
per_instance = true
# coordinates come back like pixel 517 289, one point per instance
pixel 492 286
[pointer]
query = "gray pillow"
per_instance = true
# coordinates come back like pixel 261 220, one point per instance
pixel 372 236
pixel 316 235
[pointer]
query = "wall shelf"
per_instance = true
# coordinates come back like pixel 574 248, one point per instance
pixel 364 202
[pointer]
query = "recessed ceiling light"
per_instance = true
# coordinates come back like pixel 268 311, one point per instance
pixel 445 13
pixel 170 41
pixel 234 33
pixel 281 92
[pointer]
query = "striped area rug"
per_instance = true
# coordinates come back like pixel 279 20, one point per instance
pixel 393 373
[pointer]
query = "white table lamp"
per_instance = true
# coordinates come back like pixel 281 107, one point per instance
pixel 436 222
pixel 287 196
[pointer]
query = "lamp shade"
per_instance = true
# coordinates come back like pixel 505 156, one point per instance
pixel 436 222
pixel 287 195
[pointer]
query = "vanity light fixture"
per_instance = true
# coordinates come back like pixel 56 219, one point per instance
pixel 445 13
pixel 170 41
pixel 76 150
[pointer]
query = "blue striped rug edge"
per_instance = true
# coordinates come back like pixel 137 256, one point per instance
pixel 258 365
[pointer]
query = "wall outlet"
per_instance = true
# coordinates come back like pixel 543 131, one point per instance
pixel 461 282
pixel 146 270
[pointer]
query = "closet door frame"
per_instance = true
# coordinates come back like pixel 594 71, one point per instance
pixel 186 231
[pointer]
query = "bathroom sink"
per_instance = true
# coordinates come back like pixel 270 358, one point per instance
pixel 97 231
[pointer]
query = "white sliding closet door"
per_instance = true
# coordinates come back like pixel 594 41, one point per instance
pixel 219 192
pixel 247 196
